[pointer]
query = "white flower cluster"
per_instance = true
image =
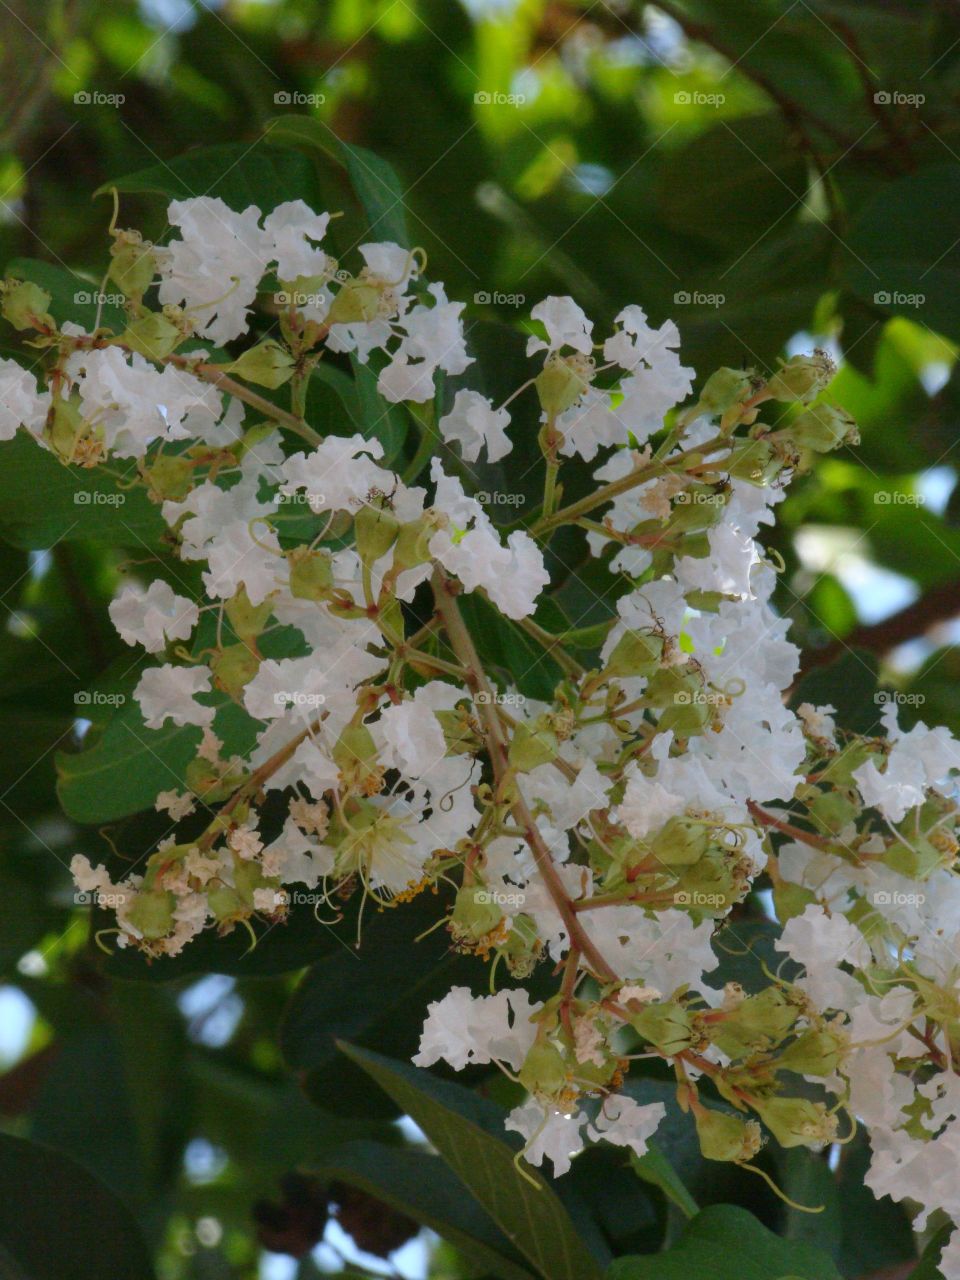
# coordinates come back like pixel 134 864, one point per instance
pixel 610 830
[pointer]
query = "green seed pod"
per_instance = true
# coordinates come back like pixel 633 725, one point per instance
pixel 726 1137
pixel 816 1053
pixel 681 842
pixel 725 389
pixel 357 302
pixel 268 364
pixel 801 378
pixel 796 1122
pixel 169 477
pixel 823 427
pixel 666 1025
pixel 636 653
pixel 151 913
pixel 153 336
pixel 475 915
pixel 561 383
pixel 133 265
pixel 375 528
pixel 311 573
pixel 532 745
pixel 756 461
pixel 24 304
pixel 544 1070
pixel 233 668
pixel 247 620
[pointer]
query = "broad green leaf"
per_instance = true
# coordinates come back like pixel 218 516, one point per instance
pixel 421 1185
pixel 238 173
pixel 850 685
pixel 655 1168
pixel 725 1242
pixel 374 994
pixel 468 1133
pixel 124 770
pixel 903 248
pixel 374 180
pixel 76 503
pixel 58 1223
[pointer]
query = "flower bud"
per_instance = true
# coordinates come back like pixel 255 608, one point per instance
pixel 168 478
pixel 532 745
pixel 816 1052
pixel 562 382
pixel 475 915
pixel 151 914
pixel 544 1070
pixel 796 1122
pixel 726 1137
pixel 247 620
pixel 233 668
pixel 268 364
pixel 357 302
pixel 311 573
pixel 801 378
pixel 133 264
pixel 636 653
pixel 152 335
pixel 25 305
pixel 681 842
pixel 756 461
pixel 666 1025
pixel 824 427
pixel 375 528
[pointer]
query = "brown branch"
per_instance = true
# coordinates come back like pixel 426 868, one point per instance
pixel 444 591
pixel 939 604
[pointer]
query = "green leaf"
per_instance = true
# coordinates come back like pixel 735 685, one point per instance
pixel 928 1268
pixel 903 248
pixel 58 1223
pixel 374 180
pixel 725 1242
pixel 850 685
pixel 76 503
pixel 238 173
pixel 468 1133
pixel 123 771
pixel 421 1185
pixel 374 994
pixel 655 1168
